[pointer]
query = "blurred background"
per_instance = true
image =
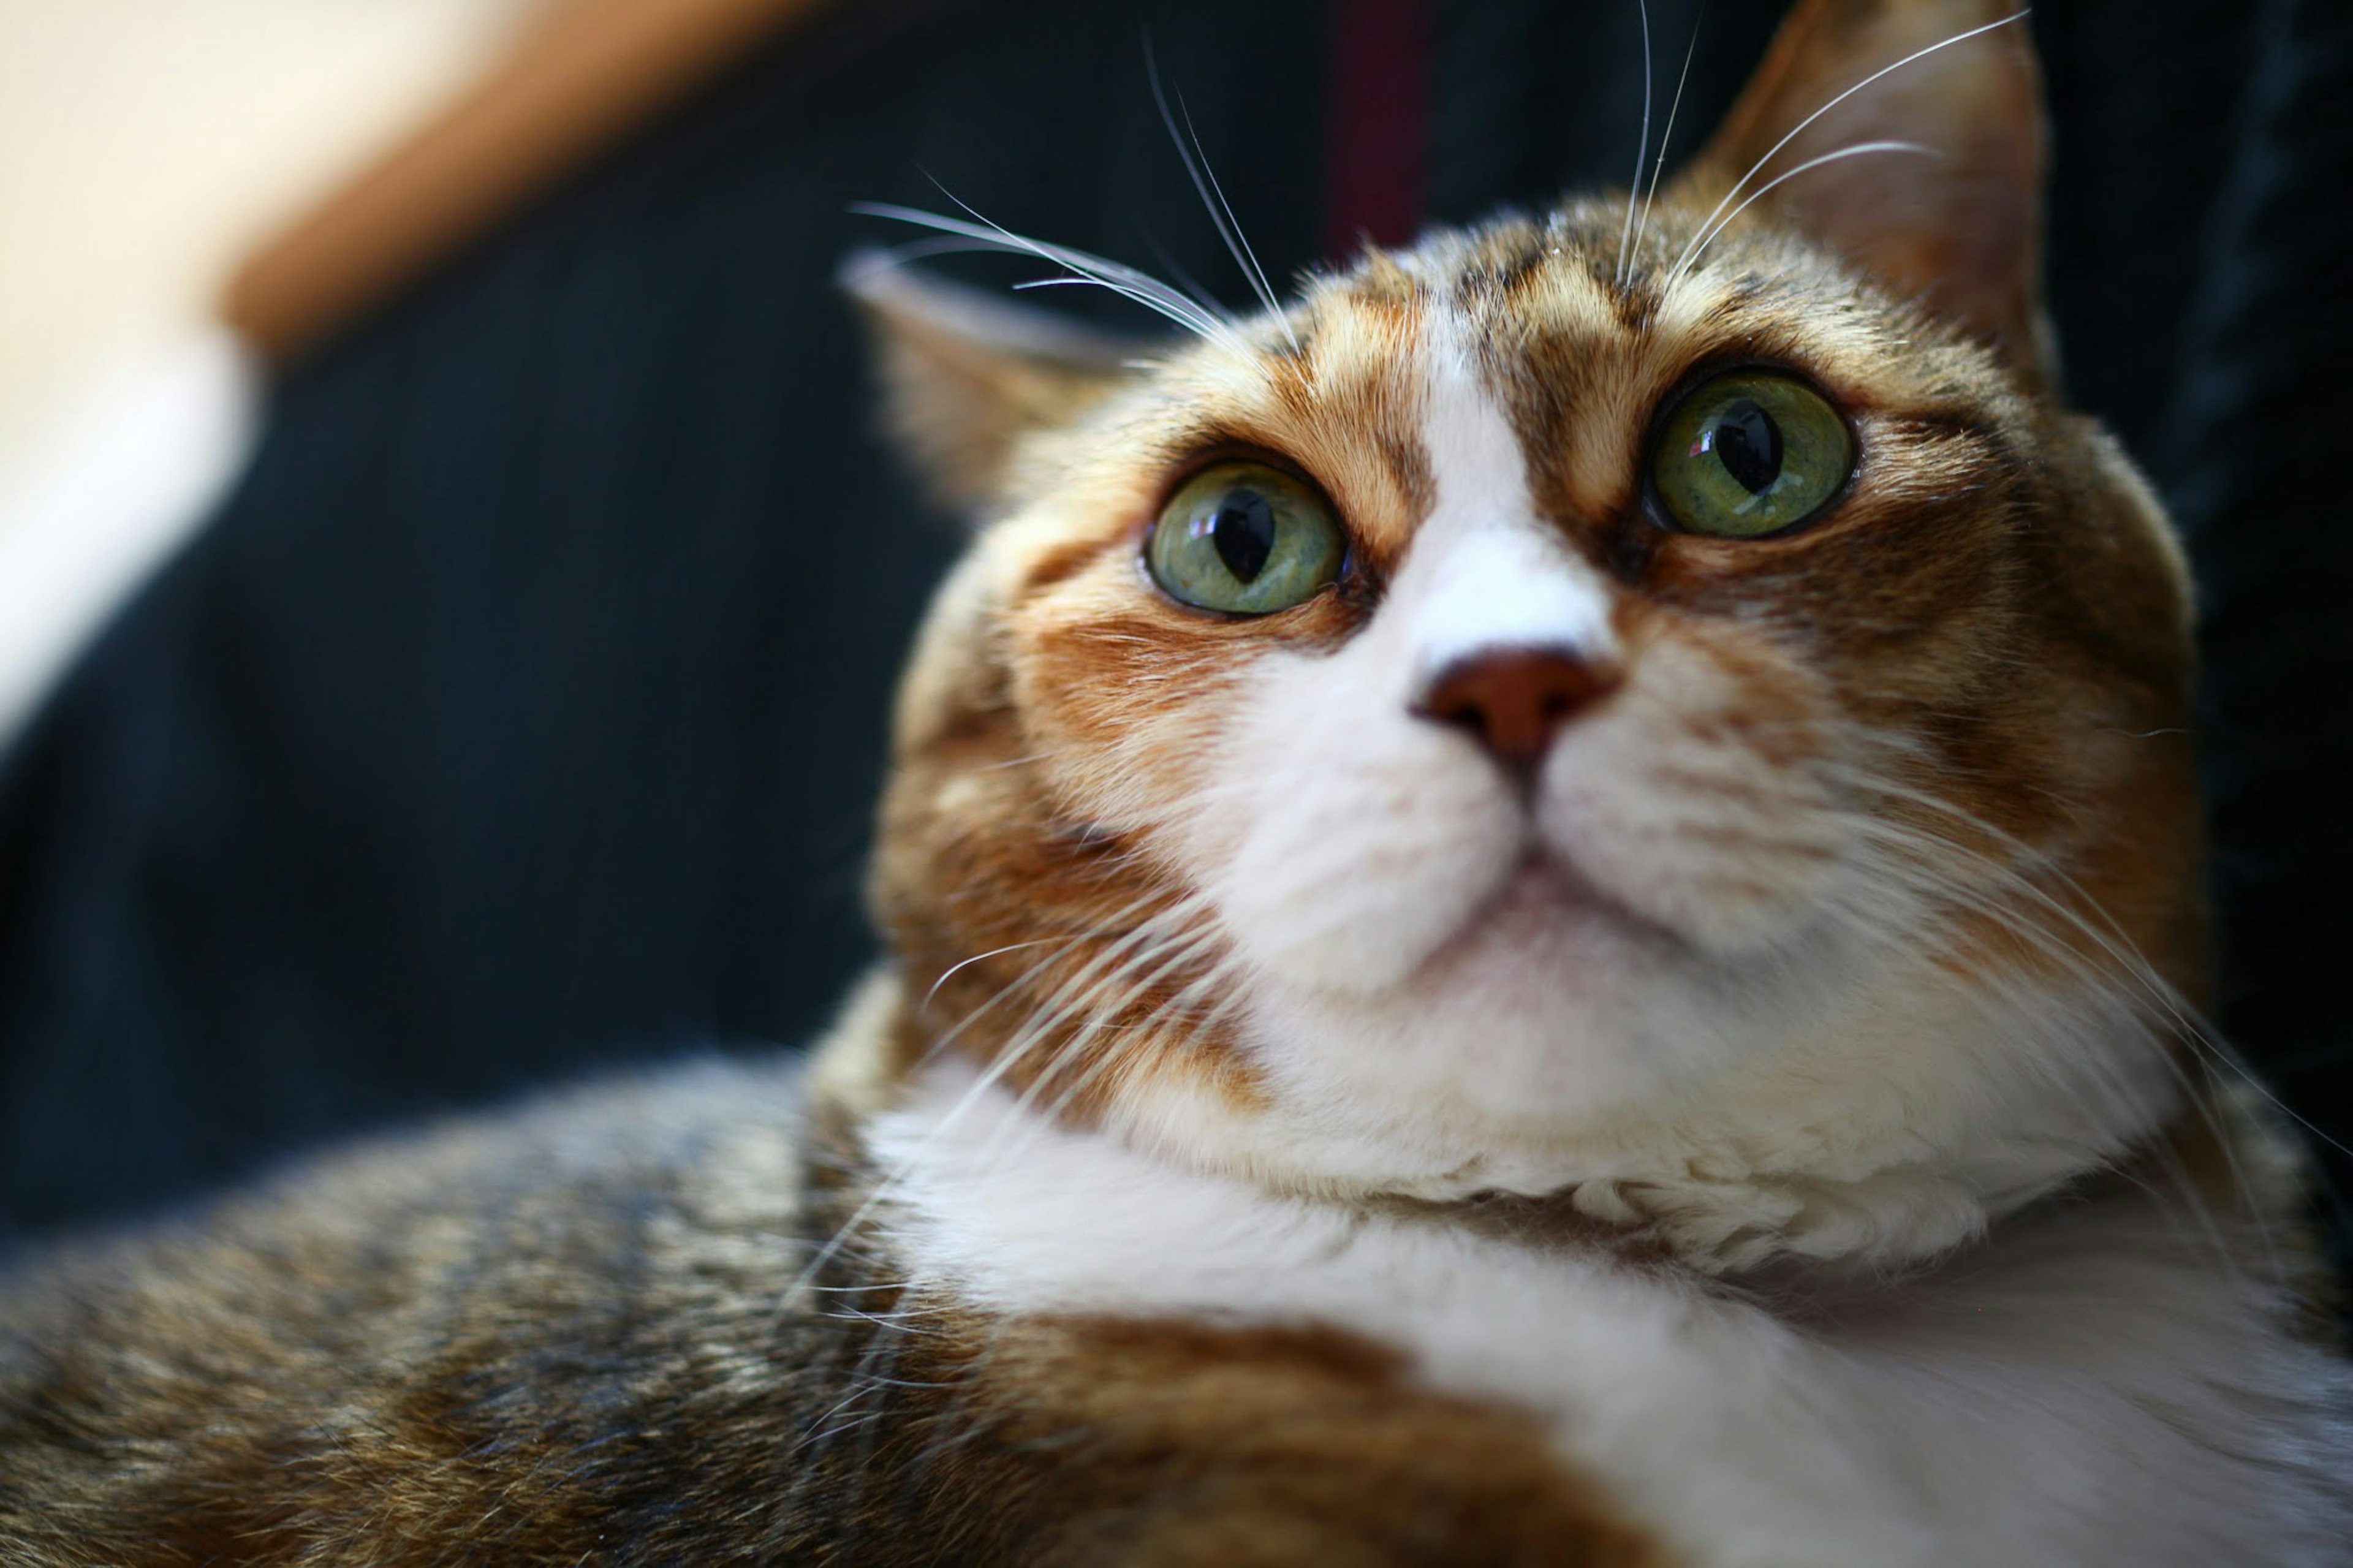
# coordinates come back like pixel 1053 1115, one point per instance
pixel 145 147
pixel 450 588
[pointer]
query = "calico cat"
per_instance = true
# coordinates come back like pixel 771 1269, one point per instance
pixel 1542 908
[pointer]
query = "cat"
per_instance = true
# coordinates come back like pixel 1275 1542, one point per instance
pixel 1542 906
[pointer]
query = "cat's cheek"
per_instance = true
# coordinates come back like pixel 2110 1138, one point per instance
pixel 1703 802
pixel 1348 843
pixel 1732 877
pixel 1316 898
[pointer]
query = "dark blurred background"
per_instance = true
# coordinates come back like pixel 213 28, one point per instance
pixel 521 708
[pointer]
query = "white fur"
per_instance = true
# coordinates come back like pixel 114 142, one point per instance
pixel 1485 570
pixel 2090 1389
pixel 121 481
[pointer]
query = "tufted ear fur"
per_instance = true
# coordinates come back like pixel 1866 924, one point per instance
pixel 966 373
pixel 1958 226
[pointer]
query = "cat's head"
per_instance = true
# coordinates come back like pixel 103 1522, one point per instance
pixel 1655 703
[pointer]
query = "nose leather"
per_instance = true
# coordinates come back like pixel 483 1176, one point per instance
pixel 1514 701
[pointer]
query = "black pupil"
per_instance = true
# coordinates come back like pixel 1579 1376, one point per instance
pixel 1243 532
pixel 1748 443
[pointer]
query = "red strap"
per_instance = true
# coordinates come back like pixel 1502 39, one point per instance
pixel 1375 134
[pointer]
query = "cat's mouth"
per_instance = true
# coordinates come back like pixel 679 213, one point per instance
pixel 1545 894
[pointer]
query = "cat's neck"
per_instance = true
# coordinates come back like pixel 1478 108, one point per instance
pixel 1823 1167
pixel 947 1121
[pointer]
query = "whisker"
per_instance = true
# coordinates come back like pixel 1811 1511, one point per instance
pixel 1183 280
pixel 1003 1063
pixel 1224 969
pixel 1118 277
pixel 1796 131
pixel 1666 139
pixel 1213 196
pixel 1642 150
pixel 1172 957
pixel 2152 999
pixel 949 974
pixel 1103 969
pixel 2194 1030
pixel 1707 236
pixel 2101 957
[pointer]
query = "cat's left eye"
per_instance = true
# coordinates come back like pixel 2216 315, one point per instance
pixel 1750 452
pixel 1246 539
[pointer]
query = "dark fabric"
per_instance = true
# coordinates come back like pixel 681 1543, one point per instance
pixel 523 707
pixel 2249 443
pixel 1376 133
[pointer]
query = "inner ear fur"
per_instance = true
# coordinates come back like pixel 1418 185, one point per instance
pixel 965 374
pixel 1959 226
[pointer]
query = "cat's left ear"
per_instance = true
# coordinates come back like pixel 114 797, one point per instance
pixel 965 374
pixel 1960 224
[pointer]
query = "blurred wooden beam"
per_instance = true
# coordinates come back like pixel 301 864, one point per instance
pixel 583 77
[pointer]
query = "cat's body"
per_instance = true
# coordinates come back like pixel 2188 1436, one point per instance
pixel 1543 910
pixel 589 1332
pixel 586 1333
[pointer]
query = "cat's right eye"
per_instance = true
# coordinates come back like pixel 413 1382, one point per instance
pixel 1246 539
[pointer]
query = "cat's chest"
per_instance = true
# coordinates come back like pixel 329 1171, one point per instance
pixel 2049 1408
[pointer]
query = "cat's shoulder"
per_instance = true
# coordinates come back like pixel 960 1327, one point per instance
pixel 500 1329
pixel 536 1172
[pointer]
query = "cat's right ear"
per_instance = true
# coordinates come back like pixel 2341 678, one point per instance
pixel 965 374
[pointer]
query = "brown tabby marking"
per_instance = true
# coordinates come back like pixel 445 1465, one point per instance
pixel 600 1359
pixel 1308 1447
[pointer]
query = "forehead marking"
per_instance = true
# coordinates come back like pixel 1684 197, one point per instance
pixel 1484 570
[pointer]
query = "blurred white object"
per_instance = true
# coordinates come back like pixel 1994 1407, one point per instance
pixel 144 148
pixel 146 144
pixel 137 463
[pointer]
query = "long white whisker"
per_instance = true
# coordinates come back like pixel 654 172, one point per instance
pixel 1056 1005
pixel 1666 139
pixel 1105 968
pixel 1154 1035
pixel 997 1068
pixel 2194 1030
pixel 1124 281
pixel 2150 996
pixel 1641 151
pixel 1707 236
pixel 1133 984
pixel 1117 275
pixel 1796 131
pixel 1010 986
pixel 1213 195
pixel 1218 972
pixel 950 972
pixel 1191 286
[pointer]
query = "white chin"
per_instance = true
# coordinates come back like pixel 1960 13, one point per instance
pixel 1543 1000
pixel 1328 912
pixel 1505 909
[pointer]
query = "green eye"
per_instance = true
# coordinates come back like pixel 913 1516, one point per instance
pixel 1246 539
pixel 1751 453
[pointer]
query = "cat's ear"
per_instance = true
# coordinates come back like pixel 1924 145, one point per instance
pixel 966 373
pixel 1959 224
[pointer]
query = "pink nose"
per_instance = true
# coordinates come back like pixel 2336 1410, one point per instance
pixel 1514 701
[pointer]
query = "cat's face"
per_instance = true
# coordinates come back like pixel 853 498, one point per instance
pixel 1699 730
